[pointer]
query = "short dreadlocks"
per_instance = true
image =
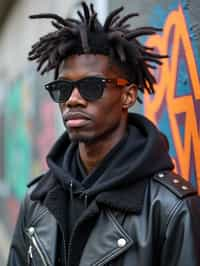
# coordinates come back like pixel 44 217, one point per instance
pixel 87 35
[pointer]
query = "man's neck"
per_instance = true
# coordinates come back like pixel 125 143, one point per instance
pixel 91 154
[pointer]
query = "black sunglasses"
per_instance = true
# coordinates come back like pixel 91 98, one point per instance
pixel 90 88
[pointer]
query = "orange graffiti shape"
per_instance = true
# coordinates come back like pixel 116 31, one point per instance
pixel 175 38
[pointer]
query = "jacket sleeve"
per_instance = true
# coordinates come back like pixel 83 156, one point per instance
pixel 18 251
pixel 181 246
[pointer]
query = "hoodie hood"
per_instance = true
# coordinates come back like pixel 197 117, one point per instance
pixel 139 155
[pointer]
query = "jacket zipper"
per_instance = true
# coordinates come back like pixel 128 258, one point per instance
pixel 65 245
pixel 74 229
pixel 35 243
pixel 29 255
pixel 70 244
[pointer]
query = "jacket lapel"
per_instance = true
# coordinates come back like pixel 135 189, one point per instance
pixel 42 238
pixel 107 241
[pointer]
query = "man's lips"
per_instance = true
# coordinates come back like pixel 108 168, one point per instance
pixel 76 119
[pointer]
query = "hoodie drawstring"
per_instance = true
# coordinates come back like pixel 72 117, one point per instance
pixel 71 190
pixel 85 201
pixel 72 196
pixel 71 204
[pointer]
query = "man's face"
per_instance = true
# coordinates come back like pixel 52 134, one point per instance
pixel 88 121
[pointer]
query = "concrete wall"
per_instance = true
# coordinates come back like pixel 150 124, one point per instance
pixel 19 32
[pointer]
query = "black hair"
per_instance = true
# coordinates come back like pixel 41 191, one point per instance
pixel 85 35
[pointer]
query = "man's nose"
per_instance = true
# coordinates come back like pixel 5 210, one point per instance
pixel 75 98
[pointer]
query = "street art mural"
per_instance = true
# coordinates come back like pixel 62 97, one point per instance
pixel 175 107
pixel 17 140
pixel 29 131
pixel 47 134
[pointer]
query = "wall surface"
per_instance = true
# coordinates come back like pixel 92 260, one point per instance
pixel 175 108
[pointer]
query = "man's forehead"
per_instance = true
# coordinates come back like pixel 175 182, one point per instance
pixel 86 60
pixel 84 63
pixel 79 66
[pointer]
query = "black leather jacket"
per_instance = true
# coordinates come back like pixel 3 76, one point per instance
pixel 165 232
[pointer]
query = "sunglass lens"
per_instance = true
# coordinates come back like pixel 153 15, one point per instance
pixel 91 88
pixel 60 91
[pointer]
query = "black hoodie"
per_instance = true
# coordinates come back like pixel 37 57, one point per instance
pixel 124 171
pixel 141 153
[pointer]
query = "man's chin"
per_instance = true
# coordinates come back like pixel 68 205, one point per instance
pixel 81 138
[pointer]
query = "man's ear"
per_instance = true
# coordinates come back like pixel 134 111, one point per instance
pixel 129 96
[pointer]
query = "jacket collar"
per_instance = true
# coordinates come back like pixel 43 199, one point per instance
pixel 125 199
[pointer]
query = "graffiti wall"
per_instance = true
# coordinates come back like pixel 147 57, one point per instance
pixel 175 107
pixel 29 129
pixel 30 123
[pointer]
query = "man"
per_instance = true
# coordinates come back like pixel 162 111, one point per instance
pixel 110 196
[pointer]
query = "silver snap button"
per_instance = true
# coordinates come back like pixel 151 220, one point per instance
pixel 31 230
pixel 184 188
pixel 121 242
pixel 161 175
pixel 176 181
